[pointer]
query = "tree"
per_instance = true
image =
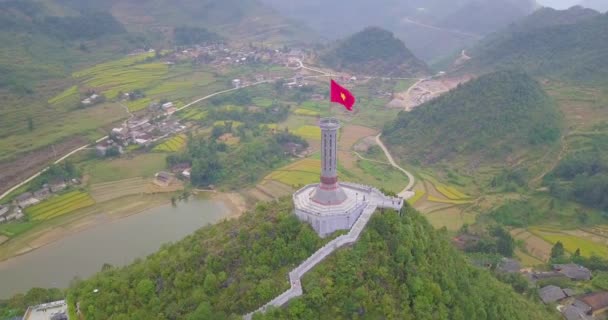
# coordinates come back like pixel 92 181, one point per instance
pixel 558 250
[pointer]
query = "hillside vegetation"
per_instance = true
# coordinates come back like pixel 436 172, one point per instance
pixel 401 268
pixel 564 45
pixel 485 120
pixel 374 51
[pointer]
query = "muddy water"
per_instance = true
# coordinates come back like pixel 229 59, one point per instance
pixel 118 242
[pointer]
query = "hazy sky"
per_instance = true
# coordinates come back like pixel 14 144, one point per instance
pixel 559 4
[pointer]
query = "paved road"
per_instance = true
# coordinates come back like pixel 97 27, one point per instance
pixel 412 180
pixel 37 174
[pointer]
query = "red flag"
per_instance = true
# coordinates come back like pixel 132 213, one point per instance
pixel 339 94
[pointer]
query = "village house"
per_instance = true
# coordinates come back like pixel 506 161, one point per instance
pixel 25 200
pixel 573 271
pixel 163 179
pixel 550 294
pixel 43 193
pixel 3 210
pixel 507 265
pixel 594 303
pixel 57 186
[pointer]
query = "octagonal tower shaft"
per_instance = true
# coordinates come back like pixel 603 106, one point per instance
pixel 329 192
pixel 329 150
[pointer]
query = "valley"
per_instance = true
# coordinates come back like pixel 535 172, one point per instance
pixel 166 148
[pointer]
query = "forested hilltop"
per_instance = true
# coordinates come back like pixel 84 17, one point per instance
pixel 374 51
pixel 401 268
pixel 569 45
pixel 485 120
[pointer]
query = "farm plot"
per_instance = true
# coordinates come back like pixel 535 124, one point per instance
pixel 571 242
pixel 306 112
pixel 69 95
pixel 173 144
pixel 299 173
pixel 308 132
pixel 60 205
pixel 123 75
pixel 535 246
pixel 451 218
pixel 112 190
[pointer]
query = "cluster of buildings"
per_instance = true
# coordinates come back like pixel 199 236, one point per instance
pixel 15 211
pixel 571 303
pixel 91 100
pixel 140 131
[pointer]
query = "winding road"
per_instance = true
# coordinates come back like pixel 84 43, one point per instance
pixel 407 191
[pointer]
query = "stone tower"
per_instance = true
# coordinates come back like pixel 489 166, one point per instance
pixel 329 191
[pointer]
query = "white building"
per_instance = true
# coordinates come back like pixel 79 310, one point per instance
pixel 329 205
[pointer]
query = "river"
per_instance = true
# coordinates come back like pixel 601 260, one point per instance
pixel 118 242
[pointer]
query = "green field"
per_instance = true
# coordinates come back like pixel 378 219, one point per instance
pixel 308 132
pixel 262 102
pixel 174 144
pixel 571 242
pixel 59 205
pixel 384 176
pixel 449 201
pixel 69 95
pixel 144 165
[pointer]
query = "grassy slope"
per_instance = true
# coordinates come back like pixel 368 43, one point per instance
pixel 486 122
pixel 568 45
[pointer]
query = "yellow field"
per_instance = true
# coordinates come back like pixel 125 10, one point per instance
pixel 60 205
pixel 306 112
pixel 174 144
pixel 417 196
pixel 457 202
pixel 66 96
pixel 308 132
pixel 571 242
pixel 451 192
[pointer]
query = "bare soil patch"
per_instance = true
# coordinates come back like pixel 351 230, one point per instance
pixel 25 165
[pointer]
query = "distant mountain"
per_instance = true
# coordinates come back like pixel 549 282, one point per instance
pixel 431 28
pixel 483 121
pixel 374 51
pixel 483 17
pixel 38 45
pixel 401 268
pixel 599 5
pixel 570 44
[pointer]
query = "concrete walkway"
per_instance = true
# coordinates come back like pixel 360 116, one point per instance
pixel 378 200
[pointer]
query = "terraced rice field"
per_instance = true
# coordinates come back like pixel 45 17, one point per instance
pixel 123 75
pixel 113 190
pixel 193 114
pixel 536 246
pixel 441 200
pixel 60 205
pixel 572 242
pixel 417 196
pixel 174 144
pixel 296 174
pixel 69 95
pixel 308 132
pixel 452 218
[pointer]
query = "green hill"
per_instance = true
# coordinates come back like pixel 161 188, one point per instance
pixel 374 51
pixel 401 268
pixel 571 44
pixel 484 121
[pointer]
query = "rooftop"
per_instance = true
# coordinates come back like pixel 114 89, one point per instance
pixel 597 300
pixel 46 311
